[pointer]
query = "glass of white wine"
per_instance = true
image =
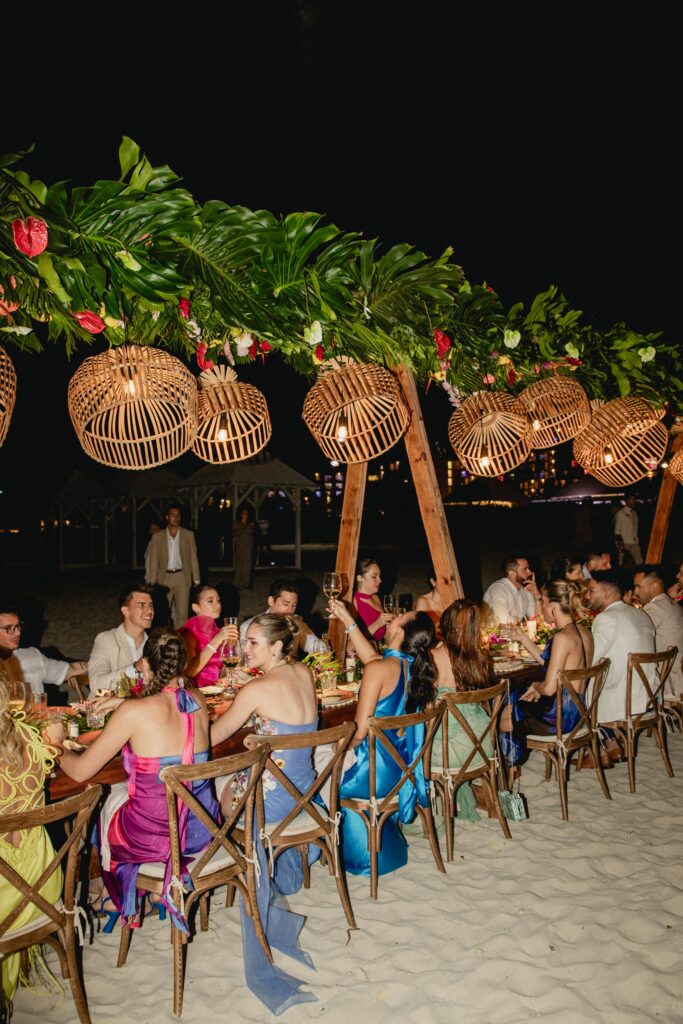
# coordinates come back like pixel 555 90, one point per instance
pixel 20 695
pixel 390 604
pixel 332 587
pixel 231 653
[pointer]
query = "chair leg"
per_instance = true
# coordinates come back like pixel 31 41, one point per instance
pixel 631 759
pixel 204 912
pixel 305 866
pixel 663 747
pixel 343 890
pixel 179 951
pixel 58 947
pixel 597 761
pixel 75 981
pixel 562 780
pixel 548 768
pixel 124 944
pixel 374 853
pixel 495 802
pixel 230 895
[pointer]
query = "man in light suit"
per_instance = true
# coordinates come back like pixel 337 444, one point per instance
pixel 618 630
pixel 118 651
pixel 173 563
pixel 667 618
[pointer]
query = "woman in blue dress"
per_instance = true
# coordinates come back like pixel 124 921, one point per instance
pixel 400 682
pixel 534 710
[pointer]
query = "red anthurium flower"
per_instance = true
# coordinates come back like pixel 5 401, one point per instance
pixel 30 236
pixel 512 377
pixel 253 349
pixel 443 342
pixel 90 322
pixel 572 361
pixel 319 354
pixel 265 347
pixel 184 308
pixel 202 362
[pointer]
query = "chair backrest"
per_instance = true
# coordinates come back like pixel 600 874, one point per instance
pixel 377 734
pixel 491 699
pixel 654 689
pixel 339 737
pixel 81 684
pixel 176 779
pixel 75 810
pixel 569 681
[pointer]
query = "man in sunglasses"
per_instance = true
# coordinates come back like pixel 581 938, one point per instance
pixel 28 663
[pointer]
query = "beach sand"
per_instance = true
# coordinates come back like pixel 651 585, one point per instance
pixel 569 922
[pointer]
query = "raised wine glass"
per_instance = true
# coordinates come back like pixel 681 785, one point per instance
pixel 231 653
pixel 390 604
pixel 332 587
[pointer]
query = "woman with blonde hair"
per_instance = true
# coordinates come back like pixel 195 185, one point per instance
pixel 25 762
pixel 534 711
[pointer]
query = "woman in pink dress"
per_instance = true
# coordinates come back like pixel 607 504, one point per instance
pixel 203 638
pixel 366 601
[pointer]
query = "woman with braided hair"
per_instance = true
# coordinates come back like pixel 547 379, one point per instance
pixel 167 726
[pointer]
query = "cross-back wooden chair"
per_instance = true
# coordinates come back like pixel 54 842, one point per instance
pixel 673 702
pixel 81 684
pixel 375 810
pixel 229 857
pixel 308 821
pixel 56 924
pixel 559 747
pixel 478 764
pixel 653 718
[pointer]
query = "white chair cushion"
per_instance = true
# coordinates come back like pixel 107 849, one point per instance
pixel 219 862
pixel 554 737
pixel 302 823
pixel 30 926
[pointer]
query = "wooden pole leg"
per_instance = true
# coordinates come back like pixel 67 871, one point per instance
pixel 347 551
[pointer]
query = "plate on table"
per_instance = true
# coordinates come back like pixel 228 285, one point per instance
pixel 88 737
pixel 73 745
pixel 211 691
pixel 350 688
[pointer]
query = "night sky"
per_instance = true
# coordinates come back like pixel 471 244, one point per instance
pixel 537 140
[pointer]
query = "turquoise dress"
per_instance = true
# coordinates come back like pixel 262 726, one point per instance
pixel 356 784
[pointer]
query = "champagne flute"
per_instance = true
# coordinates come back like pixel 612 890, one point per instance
pixel 332 588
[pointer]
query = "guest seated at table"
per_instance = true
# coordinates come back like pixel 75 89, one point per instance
pixel 596 561
pixel 366 601
pixel 675 591
pixel 567 569
pixel 534 710
pixel 431 602
pixel 515 596
pixel 28 664
pixel 203 638
pixel 401 682
pixel 25 763
pixel 283 701
pixel 667 618
pixel 462 664
pixel 118 651
pixel 168 725
pixel 283 597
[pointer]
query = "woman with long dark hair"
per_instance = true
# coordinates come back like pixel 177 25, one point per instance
pixel 401 682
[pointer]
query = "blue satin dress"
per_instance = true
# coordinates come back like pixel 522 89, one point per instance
pixel 356 784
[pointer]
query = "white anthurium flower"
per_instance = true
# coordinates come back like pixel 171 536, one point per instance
pixel 647 354
pixel 571 350
pixel 313 335
pixel 156 313
pixel 243 342
pixel 511 339
pixel 193 328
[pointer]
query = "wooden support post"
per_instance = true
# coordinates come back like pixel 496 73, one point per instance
pixel 347 551
pixel 665 504
pixel 428 495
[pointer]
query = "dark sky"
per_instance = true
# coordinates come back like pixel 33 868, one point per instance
pixel 537 140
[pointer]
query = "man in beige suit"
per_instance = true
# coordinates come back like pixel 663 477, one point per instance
pixel 118 651
pixel 173 563
pixel 667 618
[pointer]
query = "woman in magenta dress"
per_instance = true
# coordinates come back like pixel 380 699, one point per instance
pixel 366 601
pixel 166 726
pixel 203 638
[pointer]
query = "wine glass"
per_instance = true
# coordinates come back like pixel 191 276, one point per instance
pixel 332 587
pixel 20 695
pixel 390 604
pixel 231 653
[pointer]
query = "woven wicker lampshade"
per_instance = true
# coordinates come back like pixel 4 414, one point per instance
pixel 133 407
pixel 557 410
pixel 8 392
pixel 623 442
pixel 676 466
pixel 489 433
pixel 356 412
pixel 233 418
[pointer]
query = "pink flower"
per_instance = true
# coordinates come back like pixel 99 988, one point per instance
pixel 443 342
pixel 30 236
pixel 202 362
pixel 489 379
pixel 184 308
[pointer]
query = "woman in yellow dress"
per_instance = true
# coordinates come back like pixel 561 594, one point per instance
pixel 24 764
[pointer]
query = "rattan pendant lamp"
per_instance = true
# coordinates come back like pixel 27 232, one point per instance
pixel 557 409
pixel 624 441
pixel 8 393
pixel 133 407
pixel 356 412
pixel 489 434
pixel 233 422
pixel 676 466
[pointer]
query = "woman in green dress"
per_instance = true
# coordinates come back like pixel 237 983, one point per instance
pixel 463 664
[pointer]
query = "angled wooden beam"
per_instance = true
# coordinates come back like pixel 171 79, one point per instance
pixel 428 494
pixel 665 504
pixel 347 551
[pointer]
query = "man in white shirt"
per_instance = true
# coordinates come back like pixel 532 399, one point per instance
pixel 28 663
pixel 515 596
pixel 596 561
pixel 173 563
pixel 626 531
pixel 119 651
pixel 667 618
pixel 283 597
pixel 618 630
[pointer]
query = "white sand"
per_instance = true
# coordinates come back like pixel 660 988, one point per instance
pixel 569 922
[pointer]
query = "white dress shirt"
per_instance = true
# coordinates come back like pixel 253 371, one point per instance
pixel 667 618
pixel 618 631
pixel 31 665
pixel 507 602
pixel 135 655
pixel 626 525
pixel 174 560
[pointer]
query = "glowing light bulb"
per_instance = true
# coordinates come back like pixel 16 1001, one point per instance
pixel 485 461
pixel 222 434
pixel 609 458
pixel 131 387
pixel 536 424
pixel 342 430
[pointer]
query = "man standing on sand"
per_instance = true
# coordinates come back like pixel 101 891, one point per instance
pixel 626 531
pixel 119 651
pixel 173 563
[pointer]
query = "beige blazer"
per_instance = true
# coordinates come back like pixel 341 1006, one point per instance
pixel 667 618
pixel 109 657
pixel 158 559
